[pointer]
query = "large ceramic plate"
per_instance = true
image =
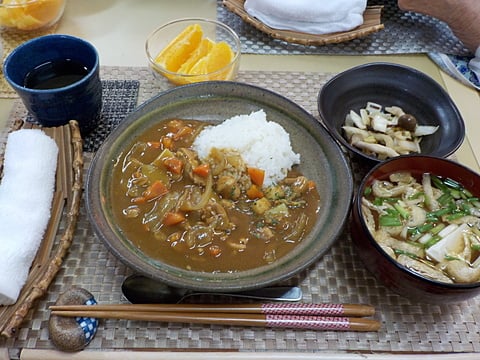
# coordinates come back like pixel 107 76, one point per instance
pixel 322 160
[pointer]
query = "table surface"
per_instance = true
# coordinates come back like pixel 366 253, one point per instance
pixel 118 30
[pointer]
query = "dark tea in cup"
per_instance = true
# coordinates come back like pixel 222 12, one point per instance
pixel 57 78
pixel 55 74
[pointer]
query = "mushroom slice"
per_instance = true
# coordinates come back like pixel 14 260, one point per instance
pixel 365 117
pixel 422 130
pixel 353 117
pixel 373 108
pixel 376 148
pixel 384 139
pixel 379 123
pixel 394 110
pixel 352 130
pixel 407 147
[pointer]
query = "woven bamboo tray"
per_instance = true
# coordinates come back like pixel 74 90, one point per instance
pixel 372 23
pixel 65 205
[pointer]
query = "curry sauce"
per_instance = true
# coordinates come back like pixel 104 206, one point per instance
pixel 209 215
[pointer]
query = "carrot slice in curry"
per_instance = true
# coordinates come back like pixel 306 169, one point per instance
pixel 256 175
pixel 173 218
pixel 202 170
pixel 155 190
pixel 173 164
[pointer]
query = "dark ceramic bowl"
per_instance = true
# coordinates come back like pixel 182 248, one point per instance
pixel 393 275
pixel 390 84
pixel 56 106
pixel 321 157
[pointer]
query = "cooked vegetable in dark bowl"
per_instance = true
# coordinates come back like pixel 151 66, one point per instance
pixel 417 227
pixel 381 110
pixel 219 186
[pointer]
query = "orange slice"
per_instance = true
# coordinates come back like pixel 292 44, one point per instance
pixel 7 19
pixel 180 48
pixel 30 16
pixel 10 15
pixel 44 11
pixel 28 22
pixel 217 58
pixel 203 49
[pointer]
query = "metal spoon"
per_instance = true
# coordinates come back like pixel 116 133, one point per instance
pixel 140 289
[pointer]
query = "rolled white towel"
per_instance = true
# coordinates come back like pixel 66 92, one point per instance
pixel 308 16
pixel 26 193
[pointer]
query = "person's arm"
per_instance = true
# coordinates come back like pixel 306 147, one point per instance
pixel 462 16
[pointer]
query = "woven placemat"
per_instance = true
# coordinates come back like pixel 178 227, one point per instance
pixel 10 40
pixel 404 33
pixel 119 97
pixel 339 276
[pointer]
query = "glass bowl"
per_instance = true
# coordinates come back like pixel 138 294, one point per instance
pixel 29 15
pixel 213 30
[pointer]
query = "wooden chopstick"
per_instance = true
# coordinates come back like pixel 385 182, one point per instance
pixel 237 319
pixel 263 308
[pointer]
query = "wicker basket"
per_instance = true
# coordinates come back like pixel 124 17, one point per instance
pixel 54 246
pixel 371 23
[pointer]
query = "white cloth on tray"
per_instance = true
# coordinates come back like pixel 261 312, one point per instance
pixel 314 17
pixel 26 193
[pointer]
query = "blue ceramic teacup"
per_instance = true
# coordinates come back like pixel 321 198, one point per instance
pixel 40 71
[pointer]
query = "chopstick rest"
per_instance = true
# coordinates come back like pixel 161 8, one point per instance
pixel 26 193
pixel 73 334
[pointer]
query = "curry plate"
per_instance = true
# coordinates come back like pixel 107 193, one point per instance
pixel 322 160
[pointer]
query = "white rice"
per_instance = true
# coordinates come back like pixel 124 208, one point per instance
pixel 263 144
